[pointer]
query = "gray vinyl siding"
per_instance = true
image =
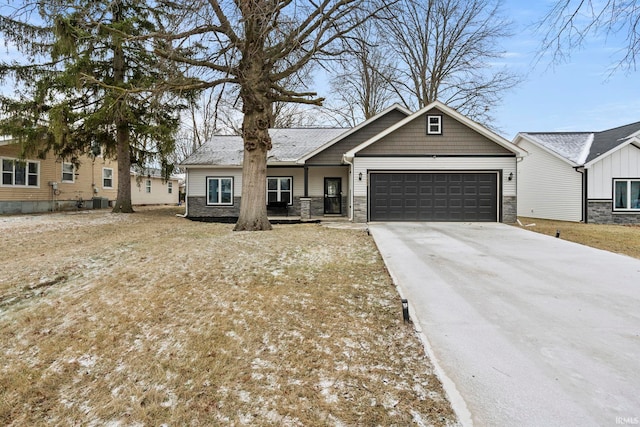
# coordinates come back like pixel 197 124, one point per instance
pixel 412 139
pixel 333 154
pixel 548 187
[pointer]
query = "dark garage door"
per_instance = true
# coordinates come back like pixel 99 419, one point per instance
pixel 425 196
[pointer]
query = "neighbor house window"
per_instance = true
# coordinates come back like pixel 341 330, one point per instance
pixel 68 172
pixel 626 194
pixel 434 125
pixel 107 178
pixel 20 173
pixel 279 189
pixel 219 191
pixel 147 186
pixel 170 187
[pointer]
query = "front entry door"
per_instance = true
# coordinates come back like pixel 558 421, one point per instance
pixel 333 196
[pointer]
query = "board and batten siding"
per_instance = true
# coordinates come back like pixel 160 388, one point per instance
pixel 548 187
pixel 624 163
pixel 445 164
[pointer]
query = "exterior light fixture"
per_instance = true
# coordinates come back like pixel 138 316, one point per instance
pixel 510 176
pixel 360 176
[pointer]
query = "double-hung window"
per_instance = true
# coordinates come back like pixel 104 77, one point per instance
pixel 279 189
pixel 220 191
pixel 170 187
pixel 147 186
pixel 434 125
pixel 68 172
pixel 107 178
pixel 626 195
pixel 18 173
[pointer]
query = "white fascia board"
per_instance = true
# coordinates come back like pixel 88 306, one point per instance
pixel 635 140
pixel 211 166
pixel 451 113
pixel 351 131
pixel 521 136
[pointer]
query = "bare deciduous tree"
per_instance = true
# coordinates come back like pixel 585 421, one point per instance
pixel 569 22
pixel 361 88
pixel 257 45
pixel 445 51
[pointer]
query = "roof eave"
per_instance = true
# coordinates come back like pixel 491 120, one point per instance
pixel 351 131
pixel 450 112
pixel 634 140
pixel 522 135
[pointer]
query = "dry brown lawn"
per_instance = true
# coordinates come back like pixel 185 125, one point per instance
pixel 622 239
pixel 151 319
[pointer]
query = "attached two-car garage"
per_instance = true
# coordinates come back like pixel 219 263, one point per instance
pixel 433 196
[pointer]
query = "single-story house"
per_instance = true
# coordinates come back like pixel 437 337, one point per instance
pixel 581 176
pixel 150 188
pixel 50 184
pixel 432 165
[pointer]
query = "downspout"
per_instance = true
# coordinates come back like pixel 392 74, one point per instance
pixel 351 183
pixel 186 192
pixel 581 170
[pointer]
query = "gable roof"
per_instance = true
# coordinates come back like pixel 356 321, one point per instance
pixel 572 147
pixel 584 148
pixel 288 146
pixel 451 113
pixel 353 130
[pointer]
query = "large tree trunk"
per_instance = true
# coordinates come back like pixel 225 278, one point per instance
pixel 255 85
pixel 123 202
pixel 257 142
pixel 123 151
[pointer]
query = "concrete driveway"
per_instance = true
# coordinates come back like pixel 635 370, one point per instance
pixel 531 330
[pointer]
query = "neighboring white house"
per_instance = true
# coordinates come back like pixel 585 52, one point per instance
pixel 433 165
pixel 150 188
pixel 581 176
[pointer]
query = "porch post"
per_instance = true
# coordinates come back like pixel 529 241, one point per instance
pixel 306 181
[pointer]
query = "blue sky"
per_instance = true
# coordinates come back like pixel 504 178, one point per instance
pixel 577 95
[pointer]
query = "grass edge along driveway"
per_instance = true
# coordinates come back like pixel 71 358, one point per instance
pixel 150 319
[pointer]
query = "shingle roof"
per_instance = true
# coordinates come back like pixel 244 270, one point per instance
pixel 582 147
pixel 572 146
pixel 288 146
pixel 609 139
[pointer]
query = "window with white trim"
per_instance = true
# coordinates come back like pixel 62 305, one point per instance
pixel 68 172
pixel 19 173
pixel 279 189
pixel 147 186
pixel 220 191
pixel 626 195
pixel 107 178
pixel 434 125
pixel 170 187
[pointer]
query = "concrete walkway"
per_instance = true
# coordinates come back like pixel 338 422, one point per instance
pixel 531 330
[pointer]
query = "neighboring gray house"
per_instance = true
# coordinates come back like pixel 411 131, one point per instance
pixel 433 165
pixel 581 176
